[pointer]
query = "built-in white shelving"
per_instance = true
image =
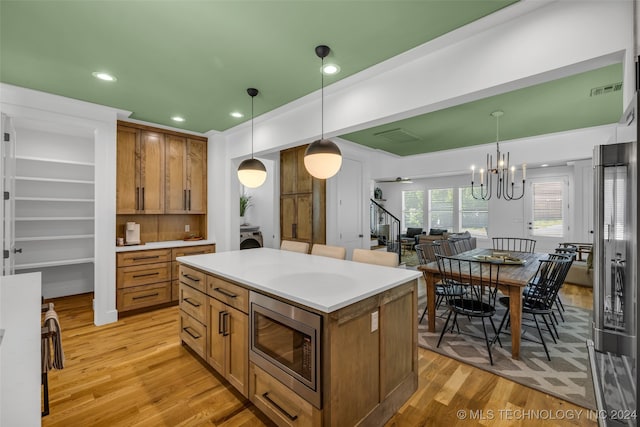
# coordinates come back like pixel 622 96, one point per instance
pixel 54 208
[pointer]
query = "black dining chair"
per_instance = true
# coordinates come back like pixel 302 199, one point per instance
pixel 542 292
pixel 515 244
pixel 426 254
pixel 480 280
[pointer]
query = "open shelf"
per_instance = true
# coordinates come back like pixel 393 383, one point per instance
pixel 54 263
pixel 66 237
pixel 59 180
pixel 58 161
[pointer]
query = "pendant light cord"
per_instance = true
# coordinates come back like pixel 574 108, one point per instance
pixel 252 127
pixel 322 100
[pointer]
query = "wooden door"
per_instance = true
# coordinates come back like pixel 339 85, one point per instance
pixel 288 217
pixel 288 171
pixel 152 177
pixel 176 174
pixel 238 357
pixel 127 166
pixel 216 349
pixel 304 218
pixel 197 176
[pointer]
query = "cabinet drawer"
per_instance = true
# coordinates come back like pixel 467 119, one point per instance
pixel 193 250
pixel 233 295
pixel 193 334
pixel 192 277
pixel 193 302
pixel 143 257
pixel 279 403
pixel 143 296
pixel 137 275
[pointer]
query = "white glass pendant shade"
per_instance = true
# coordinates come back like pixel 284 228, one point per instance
pixel 252 173
pixel 322 159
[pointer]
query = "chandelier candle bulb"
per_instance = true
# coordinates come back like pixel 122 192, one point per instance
pixel 513 174
pixel 481 176
pixel 524 171
pixel 473 173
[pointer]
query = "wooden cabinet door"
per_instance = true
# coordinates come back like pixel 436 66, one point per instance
pixel 304 180
pixel 176 174
pixel 288 217
pixel 127 166
pixel 152 172
pixel 304 217
pixel 197 177
pixel 237 368
pixel 216 350
pixel 288 171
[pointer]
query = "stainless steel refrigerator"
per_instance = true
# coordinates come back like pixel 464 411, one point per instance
pixel 614 350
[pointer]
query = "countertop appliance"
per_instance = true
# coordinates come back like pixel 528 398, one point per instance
pixel 613 352
pixel 132 233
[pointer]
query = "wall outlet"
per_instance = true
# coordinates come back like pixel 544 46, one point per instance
pixel 374 321
pixel 187 228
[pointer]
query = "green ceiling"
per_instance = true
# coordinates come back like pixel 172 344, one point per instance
pixel 556 106
pixel 196 58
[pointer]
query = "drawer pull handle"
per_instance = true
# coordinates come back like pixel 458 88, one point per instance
pixel 146 257
pixel 225 293
pixel 188 330
pixel 188 300
pixel 195 279
pixel 146 296
pixel 220 322
pixel 278 407
pixel 145 275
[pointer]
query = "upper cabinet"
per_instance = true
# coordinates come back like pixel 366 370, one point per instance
pixel 140 170
pixel 186 175
pixel 294 177
pixel 160 172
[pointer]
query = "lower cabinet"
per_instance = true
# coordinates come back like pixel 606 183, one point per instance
pixel 229 343
pixel 279 403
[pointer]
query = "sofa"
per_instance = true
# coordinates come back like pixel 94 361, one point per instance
pixel 437 235
pixel 581 271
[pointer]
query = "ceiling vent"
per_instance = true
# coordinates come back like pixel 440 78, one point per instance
pixel 397 135
pixel 603 90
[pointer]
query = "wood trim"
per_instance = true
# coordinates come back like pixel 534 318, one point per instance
pixel 122 123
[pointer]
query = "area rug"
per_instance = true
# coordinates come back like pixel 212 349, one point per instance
pixel 567 376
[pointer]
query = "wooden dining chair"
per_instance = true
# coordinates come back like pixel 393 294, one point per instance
pixel 292 246
pixel 329 251
pixel 389 259
pixel 515 244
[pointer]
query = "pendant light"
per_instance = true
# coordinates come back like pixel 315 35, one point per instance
pixel 323 158
pixel 252 172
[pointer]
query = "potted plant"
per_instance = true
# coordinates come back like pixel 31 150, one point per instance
pixel 245 202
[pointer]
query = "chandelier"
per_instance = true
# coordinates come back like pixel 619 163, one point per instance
pixel 503 175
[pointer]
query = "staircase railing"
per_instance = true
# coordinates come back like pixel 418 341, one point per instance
pixel 385 226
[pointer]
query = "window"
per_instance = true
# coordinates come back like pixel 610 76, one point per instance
pixel 441 208
pixel 474 214
pixel 548 216
pixel 412 209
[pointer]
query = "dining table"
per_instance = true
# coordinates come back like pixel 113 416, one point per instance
pixel 516 268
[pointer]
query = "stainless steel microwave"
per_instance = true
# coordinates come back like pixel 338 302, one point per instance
pixel 285 341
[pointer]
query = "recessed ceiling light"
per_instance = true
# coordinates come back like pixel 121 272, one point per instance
pixel 544 165
pixel 177 119
pixel 237 115
pixel 103 76
pixel 330 69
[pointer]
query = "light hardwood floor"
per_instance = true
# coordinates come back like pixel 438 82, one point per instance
pixel 136 373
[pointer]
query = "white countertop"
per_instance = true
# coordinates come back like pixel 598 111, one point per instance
pixel 165 244
pixel 325 284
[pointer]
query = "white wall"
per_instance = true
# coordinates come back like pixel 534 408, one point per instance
pixel 261 213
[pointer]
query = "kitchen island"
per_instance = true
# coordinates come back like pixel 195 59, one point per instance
pixel 356 367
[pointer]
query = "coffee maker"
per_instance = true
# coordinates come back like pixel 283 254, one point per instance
pixel 132 233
